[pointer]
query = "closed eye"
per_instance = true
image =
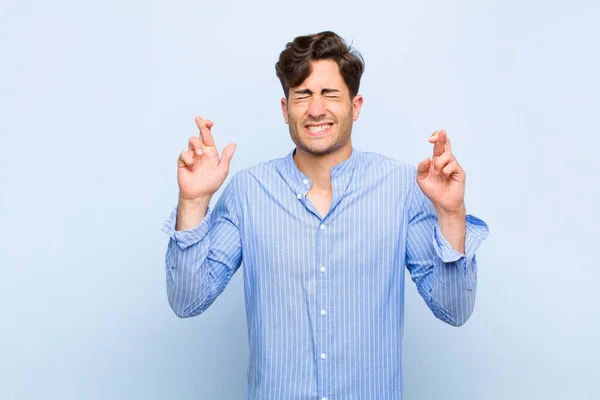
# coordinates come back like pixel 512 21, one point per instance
pixel 326 92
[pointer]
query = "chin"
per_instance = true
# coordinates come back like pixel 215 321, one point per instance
pixel 320 150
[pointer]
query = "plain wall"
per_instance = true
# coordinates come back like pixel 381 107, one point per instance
pixel 97 100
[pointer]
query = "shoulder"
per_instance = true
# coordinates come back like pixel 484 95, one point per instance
pixel 265 167
pixel 259 172
pixel 379 163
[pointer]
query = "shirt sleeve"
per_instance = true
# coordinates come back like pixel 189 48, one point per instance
pixel 445 278
pixel 200 262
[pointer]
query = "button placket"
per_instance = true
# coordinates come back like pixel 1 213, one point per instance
pixel 323 287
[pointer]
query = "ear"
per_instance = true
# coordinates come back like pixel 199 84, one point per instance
pixel 356 105
pixel 284 110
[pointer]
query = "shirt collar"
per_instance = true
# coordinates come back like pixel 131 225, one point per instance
pixel 299 181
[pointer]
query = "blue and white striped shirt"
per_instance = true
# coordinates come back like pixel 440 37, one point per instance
pixel 324 296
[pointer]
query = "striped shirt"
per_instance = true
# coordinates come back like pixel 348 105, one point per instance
pixel 324 296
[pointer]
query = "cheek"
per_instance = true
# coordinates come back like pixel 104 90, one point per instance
pixel 296 113
pixel 341 109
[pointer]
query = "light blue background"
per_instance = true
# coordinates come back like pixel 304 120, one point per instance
pixel 98 99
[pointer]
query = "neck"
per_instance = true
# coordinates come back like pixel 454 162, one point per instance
pixel 318 167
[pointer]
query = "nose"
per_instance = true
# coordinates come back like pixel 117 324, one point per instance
pixel 316 109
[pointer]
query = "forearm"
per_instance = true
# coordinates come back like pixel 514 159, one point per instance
pixel 453 227
pixel 191 212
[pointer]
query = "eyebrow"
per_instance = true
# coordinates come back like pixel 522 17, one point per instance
pixel 310 92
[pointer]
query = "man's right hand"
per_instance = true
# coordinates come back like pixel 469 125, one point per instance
pixel 200 173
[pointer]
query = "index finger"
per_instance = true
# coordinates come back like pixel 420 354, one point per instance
pixel 205 134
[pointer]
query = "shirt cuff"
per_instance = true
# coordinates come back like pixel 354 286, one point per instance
pixel 477 231
pixel 186 238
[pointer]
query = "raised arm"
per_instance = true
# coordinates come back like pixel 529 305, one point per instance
pixel 204 249
pixel 442 239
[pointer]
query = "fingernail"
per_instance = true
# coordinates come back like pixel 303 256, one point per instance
pixel 199 152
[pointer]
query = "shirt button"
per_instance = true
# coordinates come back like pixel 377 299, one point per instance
pixel 323 269
pixel 323 356
pixel 322 227
pixel 324 398
pixel 305 181
pixel 299 196
pixel 323 312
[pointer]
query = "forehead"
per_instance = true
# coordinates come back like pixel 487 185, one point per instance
pixel 325 74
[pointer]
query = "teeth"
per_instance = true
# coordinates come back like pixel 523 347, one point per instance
pixel 318 128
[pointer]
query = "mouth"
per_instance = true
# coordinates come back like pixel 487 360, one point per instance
pixel 318 130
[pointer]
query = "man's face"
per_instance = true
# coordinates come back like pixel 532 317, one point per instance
pixel 320 111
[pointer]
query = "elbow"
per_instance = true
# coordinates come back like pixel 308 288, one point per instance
pixel 458 322
pixel 181 313
pixel 178 307
pixel 453 320
pixel 184 311
pixel 454 317
pixel 461 318
pixel 182 301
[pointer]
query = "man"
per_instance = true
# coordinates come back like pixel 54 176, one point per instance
pixel 324 234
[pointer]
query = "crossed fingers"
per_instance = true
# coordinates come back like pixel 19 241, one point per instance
pixel 198 144
pixel 443 159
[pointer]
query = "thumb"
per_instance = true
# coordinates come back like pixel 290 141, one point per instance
pixel 227 154
pixel 423 169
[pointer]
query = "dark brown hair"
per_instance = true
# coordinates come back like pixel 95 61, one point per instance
pixel 294 66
